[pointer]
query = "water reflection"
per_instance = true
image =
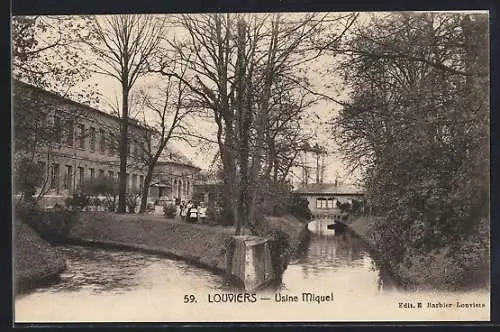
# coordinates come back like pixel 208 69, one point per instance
pixel 337 259
pixel 107 285
pixel 111 271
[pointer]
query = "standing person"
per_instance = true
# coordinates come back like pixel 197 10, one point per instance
pixel 183 210
pixel 193 213
pixel 189 205
pixel 202 212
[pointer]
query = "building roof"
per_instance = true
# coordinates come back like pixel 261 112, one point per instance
pixel 330 188
pixel 174 156
pixel 75 103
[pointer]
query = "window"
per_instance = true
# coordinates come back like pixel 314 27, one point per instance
pixel 54 179
pixel 68 177
pixel 332 203
pixel 70 132
pixel 141 181
pixel 102 142
pixel 110 174
pixel 57 129
pixel 129 148
pixel 321 203
pixel 81 136
pixel 91 173
pixel 80 175
pixel 92 138
pixel 101 172
pixel 127 180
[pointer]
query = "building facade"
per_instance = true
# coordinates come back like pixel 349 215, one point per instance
pixel 85 145
pixel 173 179
pixel 323 197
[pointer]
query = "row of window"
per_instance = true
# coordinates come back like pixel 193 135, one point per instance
pixel 135 183
pixel 326 203
pixel 65 133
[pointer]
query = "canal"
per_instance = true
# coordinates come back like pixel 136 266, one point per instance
pixel 109 285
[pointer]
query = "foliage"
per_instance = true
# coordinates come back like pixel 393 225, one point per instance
pixel 131 201
pixel 281 251
pixel 169 210
pixel 298 207
pixel 28 176
pixel 417 125
pixel 78 200
pixel 277 199
pixel 46 53
pixel 101 186
pixel 50 225
pixel 250 72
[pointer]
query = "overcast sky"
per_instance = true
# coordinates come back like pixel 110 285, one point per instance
pixel 329 85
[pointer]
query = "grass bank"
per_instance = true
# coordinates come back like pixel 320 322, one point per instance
pixel 36 261
pixel 197 244
pixel 200 245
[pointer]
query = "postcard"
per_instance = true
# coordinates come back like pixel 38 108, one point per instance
pixel 251 167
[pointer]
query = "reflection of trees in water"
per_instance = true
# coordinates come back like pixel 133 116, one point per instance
pixel 331 251
pixel 384 281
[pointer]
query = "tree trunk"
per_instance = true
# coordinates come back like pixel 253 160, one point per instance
pixel 122 184
pixel 244 132
pixel 229 177
pixel 145 189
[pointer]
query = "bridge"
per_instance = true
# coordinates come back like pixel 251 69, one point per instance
pixel 326 224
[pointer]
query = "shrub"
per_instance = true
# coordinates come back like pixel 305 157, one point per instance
pixel 131 202
pixel 28 176
pixel 280 249
pixel 50 225
pixel 298 207
pixel 169 210
pixel 78 201
pixel 101 186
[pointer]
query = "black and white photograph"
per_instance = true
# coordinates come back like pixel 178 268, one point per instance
pixel 251 167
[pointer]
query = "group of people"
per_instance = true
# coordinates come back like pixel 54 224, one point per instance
pixel 192 212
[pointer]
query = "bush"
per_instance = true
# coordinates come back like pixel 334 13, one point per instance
pixel 131 202
pixel 101 186
pixel 28 176
pixel 280 249
pixel 298 207
pixel 78 201
pixel 50 225
pixel 169 210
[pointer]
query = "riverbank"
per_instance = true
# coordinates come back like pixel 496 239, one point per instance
pixel 197 244
pixel 295 229
pixel 36 261
pixel 435 271
pixel 361 227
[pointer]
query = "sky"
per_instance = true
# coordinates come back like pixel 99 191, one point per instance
pixel 325 111
pixel 110 91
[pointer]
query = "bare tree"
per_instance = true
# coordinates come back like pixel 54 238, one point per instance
pixel 166 108
pixel 235 76
pixel 123 45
